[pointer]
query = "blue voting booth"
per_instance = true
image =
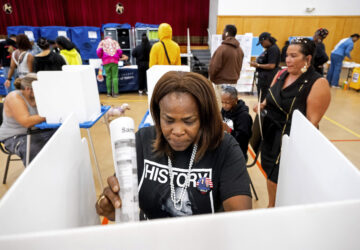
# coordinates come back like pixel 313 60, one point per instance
pixel 52 32
pixel 87 39
pixel 30 31
pixel 3 90
pixel 115 25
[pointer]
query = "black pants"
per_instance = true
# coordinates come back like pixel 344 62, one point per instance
pixel 142 78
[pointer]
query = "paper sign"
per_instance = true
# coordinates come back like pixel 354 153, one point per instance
pixel 62 33
pixel 92 34
pixel 29 34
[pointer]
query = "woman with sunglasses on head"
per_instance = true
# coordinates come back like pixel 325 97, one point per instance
pixel 298 87
pixel 184 156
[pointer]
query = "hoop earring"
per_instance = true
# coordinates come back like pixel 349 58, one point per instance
pixel 304 69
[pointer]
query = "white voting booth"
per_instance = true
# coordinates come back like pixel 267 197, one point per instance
pixel 156 72
pixel 313 223
pixel 312 169
pixel 56 191
pixel 245 81
pixel 74 89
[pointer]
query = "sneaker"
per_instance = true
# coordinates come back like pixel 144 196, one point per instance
pixel 115 95
pixel 140 92
pixel 108 95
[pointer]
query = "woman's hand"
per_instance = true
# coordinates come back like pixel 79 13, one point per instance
pixel 254 64
pixel 262 106
pixel 109 200
pixel 7 83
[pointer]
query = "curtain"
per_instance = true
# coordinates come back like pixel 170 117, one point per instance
pixel 32 13
pixel 193 14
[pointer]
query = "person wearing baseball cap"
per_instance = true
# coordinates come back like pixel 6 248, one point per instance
pixel 320 56
pixel 267 64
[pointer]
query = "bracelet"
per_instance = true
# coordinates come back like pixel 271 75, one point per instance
pixel 258 65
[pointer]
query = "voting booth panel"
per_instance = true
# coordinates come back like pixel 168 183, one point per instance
pixel 90 99
pixel 327 226
pixel 312 169
pixel 56 190
pixel 29 31
pixel 86 39
pixel 59 93
pixel 156 72
pixel 52 32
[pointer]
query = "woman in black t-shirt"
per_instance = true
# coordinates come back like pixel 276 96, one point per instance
pixel 267 64
pixel 47 60
pixel 186 150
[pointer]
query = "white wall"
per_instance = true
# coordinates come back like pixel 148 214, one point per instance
pixel 287 8
pixel 213 10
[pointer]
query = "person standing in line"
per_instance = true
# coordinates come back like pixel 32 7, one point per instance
pixel 109 51
pixel 21 59
pixel 226 62
pixel 142 54
pixel 68 50
pixel 342 49
pixel 283 52
pixel 166 51
pixel 47 60
pixel 7 47
pixel 267 64
pixel 298 87
pixel 320 56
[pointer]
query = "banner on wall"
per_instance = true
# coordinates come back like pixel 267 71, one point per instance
pixel 245 82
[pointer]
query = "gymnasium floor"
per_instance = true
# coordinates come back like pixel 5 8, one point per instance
pixel 341 125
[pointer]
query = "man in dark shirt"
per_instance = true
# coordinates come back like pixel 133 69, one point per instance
pixel 320 56
pixel 267 64
pixel 6 49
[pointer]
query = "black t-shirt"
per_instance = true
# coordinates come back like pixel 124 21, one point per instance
pixel 225 166
pixel 51 62
pixel 270 56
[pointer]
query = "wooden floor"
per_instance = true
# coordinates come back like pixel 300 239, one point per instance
pixel 341 125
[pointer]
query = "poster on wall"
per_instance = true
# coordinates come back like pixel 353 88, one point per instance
pixel 245 82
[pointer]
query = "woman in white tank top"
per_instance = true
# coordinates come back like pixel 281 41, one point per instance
pixel 20 58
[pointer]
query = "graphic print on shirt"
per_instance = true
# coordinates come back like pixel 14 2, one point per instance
pixel 155 186
pixel 229 122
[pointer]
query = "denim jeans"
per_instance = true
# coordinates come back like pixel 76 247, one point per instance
pixel 17 144
pixel 333 74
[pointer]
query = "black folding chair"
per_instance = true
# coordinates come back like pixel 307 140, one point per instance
pixel 5 151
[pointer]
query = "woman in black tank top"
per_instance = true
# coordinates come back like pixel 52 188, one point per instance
pixel 298 87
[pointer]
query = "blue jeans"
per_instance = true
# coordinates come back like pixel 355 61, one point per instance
pixel 6 71
pixel 333 74
pixel 17 144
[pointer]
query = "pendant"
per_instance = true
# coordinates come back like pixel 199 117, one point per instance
pixel 204 185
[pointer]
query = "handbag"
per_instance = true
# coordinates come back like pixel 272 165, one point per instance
pixel 167 56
